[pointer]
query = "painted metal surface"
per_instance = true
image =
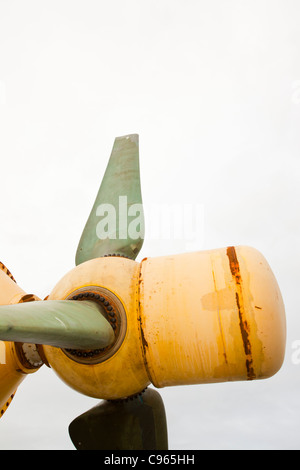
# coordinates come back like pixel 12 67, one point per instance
pixel 203 317
pixel 122 374
pixel 118 199
pixel 211 316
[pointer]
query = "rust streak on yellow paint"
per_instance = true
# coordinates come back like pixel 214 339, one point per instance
pixel 244 326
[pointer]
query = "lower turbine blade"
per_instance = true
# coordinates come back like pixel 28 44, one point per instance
pixel 60 323
pixel 136 423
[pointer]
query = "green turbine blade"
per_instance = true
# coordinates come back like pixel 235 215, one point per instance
pixel 116 223
pixel 60 323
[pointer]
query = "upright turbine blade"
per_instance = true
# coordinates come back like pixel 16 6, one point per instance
pixel 60 323
pixel 116 223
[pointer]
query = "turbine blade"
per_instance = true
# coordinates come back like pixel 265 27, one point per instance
pixel 136 423
pixel 116 223
pixel 60 323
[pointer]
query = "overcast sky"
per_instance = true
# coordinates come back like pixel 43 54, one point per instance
pixel 212 87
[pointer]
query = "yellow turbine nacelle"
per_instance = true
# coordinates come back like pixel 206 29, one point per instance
pixel 209 316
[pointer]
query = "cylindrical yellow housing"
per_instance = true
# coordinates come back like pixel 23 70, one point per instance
pixel 211 316
pixel 194 318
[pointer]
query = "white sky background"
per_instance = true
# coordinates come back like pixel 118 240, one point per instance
pixel 213 90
